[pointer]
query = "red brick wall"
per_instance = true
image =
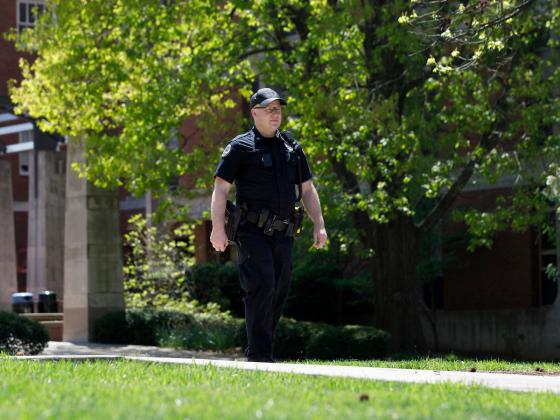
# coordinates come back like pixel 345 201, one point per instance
pixel 9 57
pixel 9 69
pixel 498 278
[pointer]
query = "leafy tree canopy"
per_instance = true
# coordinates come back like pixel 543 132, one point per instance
pixel 399 98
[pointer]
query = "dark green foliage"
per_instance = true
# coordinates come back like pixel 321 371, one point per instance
pixel 206 332
pixel 218 283
pixel 321 293
pixel 291 339
pixel 112 328
pixel 21 335
pixel 314 295
pixel 298 340
pixel 319 290
pixel 348 342
pixel 138 326
pixel 199 331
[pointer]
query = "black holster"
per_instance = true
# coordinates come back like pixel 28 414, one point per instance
pixel 233 218
pixel 298 220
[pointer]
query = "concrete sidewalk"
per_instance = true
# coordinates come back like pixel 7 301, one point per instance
pixel 513 382
pixel 59 348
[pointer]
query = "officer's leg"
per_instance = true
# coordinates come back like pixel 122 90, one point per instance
pixel 256 274
pixel 283 272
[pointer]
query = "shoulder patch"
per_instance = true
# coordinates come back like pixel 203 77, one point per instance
pixel 226 150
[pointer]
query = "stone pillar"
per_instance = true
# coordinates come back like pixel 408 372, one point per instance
pixel 92 253
pixel 8 264
pixel 45 243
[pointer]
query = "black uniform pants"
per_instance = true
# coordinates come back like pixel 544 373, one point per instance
pixel 265 265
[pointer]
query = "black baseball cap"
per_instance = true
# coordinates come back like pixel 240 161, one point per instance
pixel 265 96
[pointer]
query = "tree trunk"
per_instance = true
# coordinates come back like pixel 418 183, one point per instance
pixel 398 306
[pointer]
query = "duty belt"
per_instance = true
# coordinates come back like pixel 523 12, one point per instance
pixel 270 222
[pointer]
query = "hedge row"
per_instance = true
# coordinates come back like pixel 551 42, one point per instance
pixel 294 339
pixel 310 340
pixel 20 335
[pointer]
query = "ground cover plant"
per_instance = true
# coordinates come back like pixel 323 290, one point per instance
pixel 126 389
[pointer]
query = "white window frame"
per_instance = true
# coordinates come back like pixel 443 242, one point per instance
pixel 29 4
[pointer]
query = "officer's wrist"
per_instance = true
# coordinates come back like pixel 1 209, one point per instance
pixel 217 230
pixel 319 224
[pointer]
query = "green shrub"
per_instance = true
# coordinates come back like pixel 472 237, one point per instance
pixel 291 338
pixel 156 263
pixel 348 342
pixel 112 329
pixel 211 331
pixel 297 340
pixel 321 292
pixel 21 335
pixel 218 283
pixel 138 326
pixel 206 332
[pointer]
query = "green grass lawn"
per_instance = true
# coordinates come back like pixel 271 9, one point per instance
pixel 127 389
pixel 452 363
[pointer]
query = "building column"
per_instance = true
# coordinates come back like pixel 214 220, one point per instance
pixel 8 275
pixel 93 284
pixel 45 243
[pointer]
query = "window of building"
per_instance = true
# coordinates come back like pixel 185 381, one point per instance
pixel 27 12
pixel 24 137
pixel 547 280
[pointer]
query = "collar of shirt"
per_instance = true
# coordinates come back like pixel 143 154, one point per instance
pixel 259 136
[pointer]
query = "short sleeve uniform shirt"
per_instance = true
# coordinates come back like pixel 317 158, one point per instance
pixel 265 171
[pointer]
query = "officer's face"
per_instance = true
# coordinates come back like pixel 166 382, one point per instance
pixel 268 119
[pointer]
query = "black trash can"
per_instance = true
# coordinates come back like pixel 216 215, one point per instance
pixel 22 302
pixel 47 302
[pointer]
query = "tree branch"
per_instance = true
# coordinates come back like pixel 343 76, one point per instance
pixel 258 51
pixel 489 141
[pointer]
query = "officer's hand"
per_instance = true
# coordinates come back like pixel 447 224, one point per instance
pixel 219 240
pixel 319 236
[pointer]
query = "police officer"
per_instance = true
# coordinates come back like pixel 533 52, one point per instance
pixel 267 167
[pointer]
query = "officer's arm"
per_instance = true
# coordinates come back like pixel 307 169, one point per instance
pixel 218 236
pixel 313 206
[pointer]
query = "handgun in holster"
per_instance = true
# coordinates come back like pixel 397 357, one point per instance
pixel 233 217
pixel 269 226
